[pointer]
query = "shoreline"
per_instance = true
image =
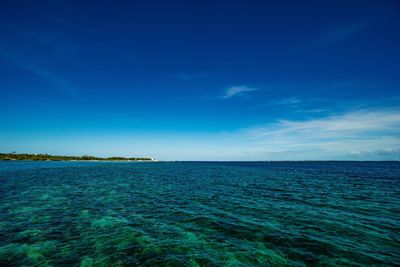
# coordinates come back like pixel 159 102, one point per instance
pixel 83 160
pixel 47 157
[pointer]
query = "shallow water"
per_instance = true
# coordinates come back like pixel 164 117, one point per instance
pixel 199 214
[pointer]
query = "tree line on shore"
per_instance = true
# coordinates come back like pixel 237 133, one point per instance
pixel 38 157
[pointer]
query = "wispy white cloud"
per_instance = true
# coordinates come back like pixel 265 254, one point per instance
pixel 192 76
pixel 289 102
pixel 379 153
pixel 335 136
pixel 315 110
pixel 369 134
pixel 236 91
pixel 60 84
pixel 340 34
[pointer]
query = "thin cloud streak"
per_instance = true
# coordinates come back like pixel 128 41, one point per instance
pixel 289 102
pixel 192 76
pixel 388 152
pixel 340 34
pixel 236 91
pixel 363 130
pixel 61 85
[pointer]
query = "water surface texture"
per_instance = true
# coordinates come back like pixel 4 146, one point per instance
pixel 199 214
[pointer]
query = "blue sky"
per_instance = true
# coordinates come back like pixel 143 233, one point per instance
pixel 201 80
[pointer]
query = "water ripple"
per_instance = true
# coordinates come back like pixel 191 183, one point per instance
pixel 199 214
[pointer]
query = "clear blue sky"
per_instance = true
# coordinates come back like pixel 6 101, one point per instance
pixel 201 80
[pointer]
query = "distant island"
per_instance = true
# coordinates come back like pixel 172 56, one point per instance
pixel 46 157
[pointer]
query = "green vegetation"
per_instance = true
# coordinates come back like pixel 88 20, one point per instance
pixel 13 156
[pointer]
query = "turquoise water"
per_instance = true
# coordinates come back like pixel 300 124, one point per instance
pixel 199 214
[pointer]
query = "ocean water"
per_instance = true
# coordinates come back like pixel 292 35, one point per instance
pixel 199 214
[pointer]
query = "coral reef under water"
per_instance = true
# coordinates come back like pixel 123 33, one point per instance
pixel 199 214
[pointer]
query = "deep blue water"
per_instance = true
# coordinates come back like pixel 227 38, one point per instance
pixel 199 214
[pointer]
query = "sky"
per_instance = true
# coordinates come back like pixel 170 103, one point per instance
pixel 201 80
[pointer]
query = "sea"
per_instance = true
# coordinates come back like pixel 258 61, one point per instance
pixel 199 213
